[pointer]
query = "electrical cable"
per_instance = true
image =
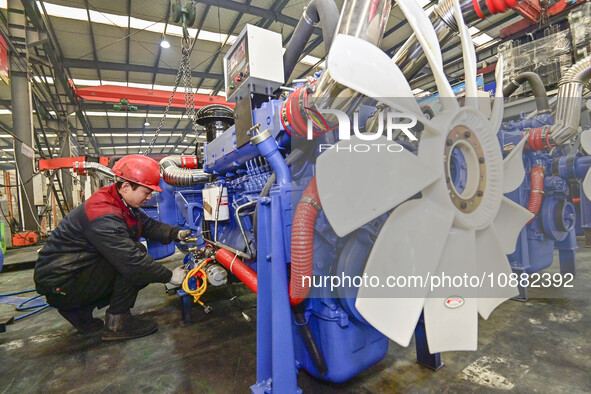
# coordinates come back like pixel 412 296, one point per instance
pixel 234 300
pixel 21 308
pixel 201 287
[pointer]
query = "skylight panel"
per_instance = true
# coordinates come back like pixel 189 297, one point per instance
pixel 482 39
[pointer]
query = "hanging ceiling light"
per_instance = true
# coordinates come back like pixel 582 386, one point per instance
pixel 143 140
pixel 185 139
pixel 146 123
pixel 164 44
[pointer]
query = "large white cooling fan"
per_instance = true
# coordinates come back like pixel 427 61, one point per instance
pixel 586 145
pixel 451 229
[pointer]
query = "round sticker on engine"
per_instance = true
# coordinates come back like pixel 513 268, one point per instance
pixel 454 302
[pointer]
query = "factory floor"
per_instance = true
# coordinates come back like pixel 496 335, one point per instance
pixel 542 345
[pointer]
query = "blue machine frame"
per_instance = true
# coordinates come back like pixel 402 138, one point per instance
pixel 348 344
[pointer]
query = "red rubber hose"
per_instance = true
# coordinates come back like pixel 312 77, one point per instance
pixel 302 243
pixel 537 190
pixel 302 253
pixel 238 268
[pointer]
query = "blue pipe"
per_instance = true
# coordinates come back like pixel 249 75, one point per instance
pixel 20 308
pixel 577 168
pixel 42 308
pixel 269 149
pixel 582 165
pixel 38 308
pixel 16 293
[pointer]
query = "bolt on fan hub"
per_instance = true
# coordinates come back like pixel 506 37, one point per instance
pixel 465 168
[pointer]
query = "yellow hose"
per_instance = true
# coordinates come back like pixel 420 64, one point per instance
pixel 197 293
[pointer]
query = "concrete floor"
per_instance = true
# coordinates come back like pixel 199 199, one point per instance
pixel 543 345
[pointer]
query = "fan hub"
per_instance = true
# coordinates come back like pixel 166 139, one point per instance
pixel 465 168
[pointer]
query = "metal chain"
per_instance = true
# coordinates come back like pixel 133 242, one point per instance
pixel 189 98
pixel 184 69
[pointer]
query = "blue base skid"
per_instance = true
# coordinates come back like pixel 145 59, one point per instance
pixel 426 359
pixel 185 306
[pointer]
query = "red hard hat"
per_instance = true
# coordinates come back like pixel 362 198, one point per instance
pixel 139 169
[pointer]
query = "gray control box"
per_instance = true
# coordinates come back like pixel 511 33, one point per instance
pixel 253 64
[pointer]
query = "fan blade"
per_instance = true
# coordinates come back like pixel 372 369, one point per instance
pixel 427 37
pixel 451 321
pixel 399 250
pixel 372 73
pixel 355 187
pixel 509 222
pixel 469 58
pixel 491 262
pixel 586 141
pixel 587 185
pixel 513 170
pixel 496 117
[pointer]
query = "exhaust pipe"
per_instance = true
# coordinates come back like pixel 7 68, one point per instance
pixel 182 171
pixel 570 99
pixel 365 19
pixel 83 167
pixel 410 57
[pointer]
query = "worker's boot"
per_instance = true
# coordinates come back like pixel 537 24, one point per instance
pixel 125 326
pixel 82 320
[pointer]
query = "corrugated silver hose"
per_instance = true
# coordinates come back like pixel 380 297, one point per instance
pixel 96 167
pixel 570 99
pixel 174 175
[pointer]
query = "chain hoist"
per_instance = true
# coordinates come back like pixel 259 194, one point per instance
pixel 185 12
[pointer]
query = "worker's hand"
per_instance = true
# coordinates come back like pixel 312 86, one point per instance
pixel 183 234
pixel 178 275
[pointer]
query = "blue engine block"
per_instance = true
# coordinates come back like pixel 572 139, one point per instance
pixel 555 224
pixel 347 343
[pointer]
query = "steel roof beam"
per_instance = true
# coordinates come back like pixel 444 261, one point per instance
pixel 255 11
pixel 54 53
pixel 275 8
pixel 135 130
pixel 215 55
pixel 112 66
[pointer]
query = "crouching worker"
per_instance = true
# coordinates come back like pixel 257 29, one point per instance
pixel 93 258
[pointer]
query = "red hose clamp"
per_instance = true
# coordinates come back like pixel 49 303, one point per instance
pixel 189 161
pixel 295 114
pixel 78 168
pixel 539 138
pixel 496 6
pixel 476 6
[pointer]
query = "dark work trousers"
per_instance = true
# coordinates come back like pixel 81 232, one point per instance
pixel 97 286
